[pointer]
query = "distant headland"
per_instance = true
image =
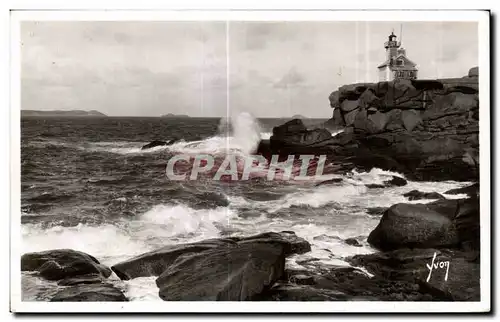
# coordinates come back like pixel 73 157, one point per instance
pixel 170 115
pixel 72 113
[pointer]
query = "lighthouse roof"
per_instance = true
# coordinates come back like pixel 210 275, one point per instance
pixel 407 62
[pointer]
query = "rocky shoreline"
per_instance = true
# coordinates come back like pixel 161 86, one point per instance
pixel 411 238
pixel 425 129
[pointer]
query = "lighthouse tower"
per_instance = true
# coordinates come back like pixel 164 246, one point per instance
pixel 396 65
pixel 391 46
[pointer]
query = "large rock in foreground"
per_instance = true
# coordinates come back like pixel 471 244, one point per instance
pixel 230 269
pixel 156 262
pixel 444 223
pixel 229 273
pixel 59 264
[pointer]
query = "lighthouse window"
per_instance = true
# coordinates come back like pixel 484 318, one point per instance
pixel 399 62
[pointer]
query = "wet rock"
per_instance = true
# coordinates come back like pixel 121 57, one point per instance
pixel 297 293
pixel 439 224
pixel 375 186
pixel 36 289
pixel 292 244
pixel 410 265
pixel 461 282
pixel 153 144
pixel 63 263
pixel 156 262
pixel 352 242
pixel 294 133
pixel 231 273
pixel 417 195
pixel 376 210
pixel 347 284
pixel 83 279
pixel 467 222
pixel 51 271
pixel 90 293
pixel 302 279
pixel 472 190
pixel 264 149
pixel 396 181
pixel 415 225
pixel 209 199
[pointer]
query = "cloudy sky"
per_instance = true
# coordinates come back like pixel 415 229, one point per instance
pixel 271 69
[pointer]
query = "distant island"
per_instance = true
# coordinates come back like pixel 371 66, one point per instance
pixel 73 113
pixel 298 116
pixel 170 115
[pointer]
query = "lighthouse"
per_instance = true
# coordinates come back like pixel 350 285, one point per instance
pixel 396 65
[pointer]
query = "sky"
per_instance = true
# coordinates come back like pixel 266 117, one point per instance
pixel 214 68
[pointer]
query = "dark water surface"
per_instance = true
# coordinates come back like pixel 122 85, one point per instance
pixel 86 185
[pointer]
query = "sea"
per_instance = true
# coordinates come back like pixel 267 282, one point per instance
pixel 87 185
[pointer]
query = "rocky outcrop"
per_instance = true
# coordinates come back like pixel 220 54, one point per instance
pixel 103 292
pixel 416 225
pixel 156 143
pixel 59 264
pixel 436 246
pixel 80 276
pixel 458 280
pixel 426 129
pixel 430 128
pixel 81 279
pixel 396 181
pixel 153 144
pixel 229 273
pixel 352 242
pixel 156 262
pixel 417 195
pixel 345 284
pixel 294 135
pixel 232 269
pixel 445 223
pixel 471 191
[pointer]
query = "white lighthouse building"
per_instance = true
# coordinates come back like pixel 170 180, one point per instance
pixel 396 65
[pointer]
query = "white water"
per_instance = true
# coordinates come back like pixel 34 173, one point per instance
pixel 240 134
pixel 344 217
pixel 331 213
